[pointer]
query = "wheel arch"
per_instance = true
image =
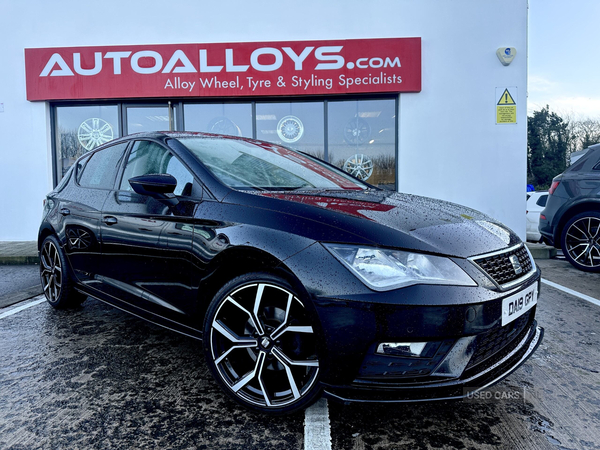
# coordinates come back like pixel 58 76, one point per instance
pixel 237 261
pixel 45 231
pixel 588 205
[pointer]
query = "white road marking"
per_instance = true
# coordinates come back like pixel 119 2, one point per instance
pixel 22 307
pixel 587 298
pixel 317 431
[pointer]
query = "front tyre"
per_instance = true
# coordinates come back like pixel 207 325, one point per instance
pixel 260 345
pixel 54 274
pixel 580 241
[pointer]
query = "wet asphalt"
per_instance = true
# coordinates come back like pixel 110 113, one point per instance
pixel 18 283
pixel 99 378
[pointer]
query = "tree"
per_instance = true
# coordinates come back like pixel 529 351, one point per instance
pixel 587 132
pixel 548 140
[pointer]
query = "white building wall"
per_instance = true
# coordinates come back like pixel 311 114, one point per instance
pixel 449 147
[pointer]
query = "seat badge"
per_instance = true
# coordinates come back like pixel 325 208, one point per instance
pixel 516 264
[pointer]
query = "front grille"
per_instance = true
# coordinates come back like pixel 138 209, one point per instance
pixel 500 268
pixel 500 339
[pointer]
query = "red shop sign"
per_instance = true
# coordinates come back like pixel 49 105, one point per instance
pixel 221 70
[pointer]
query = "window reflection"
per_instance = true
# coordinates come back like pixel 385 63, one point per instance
pixel 362 139
pixel 80 129
pixel 297 125
pixel 361 134
pixel 232 119
pixel 154 118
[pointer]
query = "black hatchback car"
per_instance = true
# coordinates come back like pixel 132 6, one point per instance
pixel 298 278
pixel 571 219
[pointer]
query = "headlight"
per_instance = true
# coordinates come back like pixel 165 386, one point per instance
pixel 383 269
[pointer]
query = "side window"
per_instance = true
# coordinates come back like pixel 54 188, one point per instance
pixel 101 168
pixel 542 201
pixel 79 168
pixel 185 180
pixel 148 157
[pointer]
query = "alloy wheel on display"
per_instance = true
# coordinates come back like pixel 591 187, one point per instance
pixel 263 346
pixel 582 242
pixel 359 165
pixel 94 132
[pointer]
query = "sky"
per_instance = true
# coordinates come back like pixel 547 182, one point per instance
pixel 564 57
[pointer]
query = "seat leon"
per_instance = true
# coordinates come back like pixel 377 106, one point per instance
pixel 299 279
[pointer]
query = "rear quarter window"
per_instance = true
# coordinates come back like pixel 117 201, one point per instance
pixel 100 170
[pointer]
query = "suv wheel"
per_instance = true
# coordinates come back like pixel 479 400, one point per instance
pixel 580 241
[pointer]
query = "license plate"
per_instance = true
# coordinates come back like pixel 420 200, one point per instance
pixel 518 304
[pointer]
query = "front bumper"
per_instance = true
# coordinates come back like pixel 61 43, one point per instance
pixel 469 383
pixel 474 352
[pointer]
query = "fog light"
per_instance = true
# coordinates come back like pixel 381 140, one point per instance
pixel 414 349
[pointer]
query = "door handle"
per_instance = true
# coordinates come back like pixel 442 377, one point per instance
pixel 65 212
pixel 110 220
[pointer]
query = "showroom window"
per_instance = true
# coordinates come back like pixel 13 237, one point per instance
pixel 297 125
pixel 358 135
pixel 362 139
pixel 79 129
pixel 233 119
pixel 150 118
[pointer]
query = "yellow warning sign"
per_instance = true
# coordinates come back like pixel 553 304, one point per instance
pixel 506 108
pixel 506 98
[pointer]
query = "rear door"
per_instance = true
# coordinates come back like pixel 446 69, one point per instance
pixel 80 206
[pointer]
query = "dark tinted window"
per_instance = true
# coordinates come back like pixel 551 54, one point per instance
pixel 578 166
pixel 100 170
pixel 542 201
pixel 149 157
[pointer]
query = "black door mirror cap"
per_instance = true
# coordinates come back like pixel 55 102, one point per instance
pixel 156 185
pixel 153 184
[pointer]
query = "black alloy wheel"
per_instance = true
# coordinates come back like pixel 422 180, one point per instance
pixel 54 273
pixel 260 345
pixel 581 241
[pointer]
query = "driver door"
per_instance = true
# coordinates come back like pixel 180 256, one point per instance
pixel 146 243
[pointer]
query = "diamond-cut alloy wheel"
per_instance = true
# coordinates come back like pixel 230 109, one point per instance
pixel 261 346
pixel 55 278
pixel 581 241
pixel 359 165
pixel 51 271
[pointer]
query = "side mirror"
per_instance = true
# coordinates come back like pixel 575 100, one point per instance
pixel 158 186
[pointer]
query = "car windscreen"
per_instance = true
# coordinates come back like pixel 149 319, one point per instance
pixel 255 165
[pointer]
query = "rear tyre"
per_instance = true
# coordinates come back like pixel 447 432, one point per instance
pixel 56 280
pixel 580 241
pixel 260 345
